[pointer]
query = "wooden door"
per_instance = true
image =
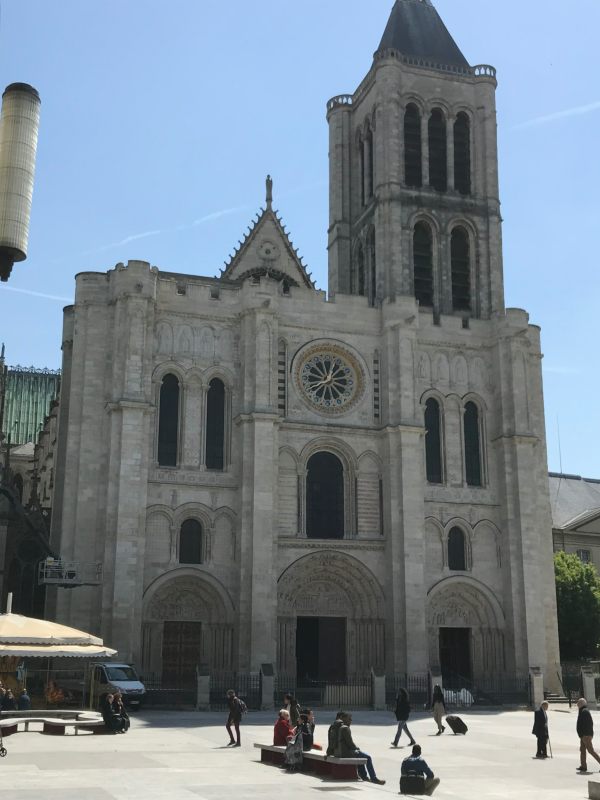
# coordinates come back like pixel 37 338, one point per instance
pixel 180 654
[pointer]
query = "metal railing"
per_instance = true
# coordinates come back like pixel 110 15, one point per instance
pixel 246 685
pixel 418 687
pixel 57 572
pixel 352 693
pixel 169 693
pixel 489 690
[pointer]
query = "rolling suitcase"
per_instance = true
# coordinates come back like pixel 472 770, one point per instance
pixel 457 725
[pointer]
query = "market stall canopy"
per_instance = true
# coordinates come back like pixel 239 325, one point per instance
pixel 29 637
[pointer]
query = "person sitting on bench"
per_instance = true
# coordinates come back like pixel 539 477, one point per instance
pixel 347 749
pixel 415 765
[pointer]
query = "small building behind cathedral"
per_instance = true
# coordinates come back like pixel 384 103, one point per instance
pixel 326 483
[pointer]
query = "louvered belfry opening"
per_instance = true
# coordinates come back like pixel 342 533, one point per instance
pixel 372 267
pixel 438 156
pixel 369 165
pixel 423 264
pixel 462 154
pixel 413 156
pixel 473 471
pixel 460 258
pixel 360 270
pixel 215 425
pixel 433 441
pixel 168 421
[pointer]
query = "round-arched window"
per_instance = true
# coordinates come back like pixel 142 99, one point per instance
pixel 325 497
pixel 457 555
pixel 190 542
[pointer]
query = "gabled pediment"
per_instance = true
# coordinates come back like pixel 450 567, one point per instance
pixel 587 522
pixel 268 250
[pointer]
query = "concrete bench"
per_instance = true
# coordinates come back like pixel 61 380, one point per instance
pixel 11 725
pixel 594 790
pixel 54 726
pixel 97 726
pixel 314 761
pixel 55 713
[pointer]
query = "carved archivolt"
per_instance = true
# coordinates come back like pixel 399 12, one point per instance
pixel 463 604
pixel 186 598
pixel 329 584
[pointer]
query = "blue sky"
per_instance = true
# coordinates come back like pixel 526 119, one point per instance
pixel 160 121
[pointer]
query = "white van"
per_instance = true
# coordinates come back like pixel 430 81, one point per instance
pixel 110 677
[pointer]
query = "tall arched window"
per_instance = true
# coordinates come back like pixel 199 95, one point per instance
pixel 369 164
pixel 413 156
pixel 168 421
pixel 361 169
pixel 282 378
pixel 423 263
pixel 433 441
pixel 372 267
pixel 190 542
pixel 472 433
pixel 325 497
pixel 438 156
pixel 462 154
pixel 460 258
pixel 215 425
pixel 457 552
pixel 360 270
pixel 18 484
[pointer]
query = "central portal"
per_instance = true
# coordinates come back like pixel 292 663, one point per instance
pixel 455 655
pixel 320 649
pixel 181 653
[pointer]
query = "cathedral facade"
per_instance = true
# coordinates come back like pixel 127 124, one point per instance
pixel 328 484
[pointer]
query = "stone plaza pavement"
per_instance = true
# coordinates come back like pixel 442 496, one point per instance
pixel 182 756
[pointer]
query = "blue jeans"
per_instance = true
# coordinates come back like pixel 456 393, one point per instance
pixel 402 727
pixel 370 768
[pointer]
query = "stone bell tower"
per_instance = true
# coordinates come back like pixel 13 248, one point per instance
pixel 414 207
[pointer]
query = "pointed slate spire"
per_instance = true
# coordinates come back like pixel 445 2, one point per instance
pixel 416 29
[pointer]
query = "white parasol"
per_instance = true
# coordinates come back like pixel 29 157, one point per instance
pixel 28 637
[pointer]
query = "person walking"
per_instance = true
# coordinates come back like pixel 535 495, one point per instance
pixel 585 731
pixel 236 709
pixel 416 765
pixel 540 729
pixel 438 706
pixel 347 749
pixel 402 712
pixel 24 701
pixel 8 701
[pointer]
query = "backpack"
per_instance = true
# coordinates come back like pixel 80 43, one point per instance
pixel 242 706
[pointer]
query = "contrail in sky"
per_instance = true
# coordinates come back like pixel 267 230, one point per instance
pixel 36 294
pixel 137 236
pixel 569 112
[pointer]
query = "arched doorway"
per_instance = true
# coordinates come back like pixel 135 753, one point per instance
pixel 187 621
pixel 466 631
pixel 331 618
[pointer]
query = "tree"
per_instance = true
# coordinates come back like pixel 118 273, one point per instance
pixel 578 604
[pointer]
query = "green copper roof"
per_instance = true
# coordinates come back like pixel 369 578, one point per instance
pixel 29 393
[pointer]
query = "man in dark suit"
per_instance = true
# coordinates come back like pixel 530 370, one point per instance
pixel 540 729
pixel 585 731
